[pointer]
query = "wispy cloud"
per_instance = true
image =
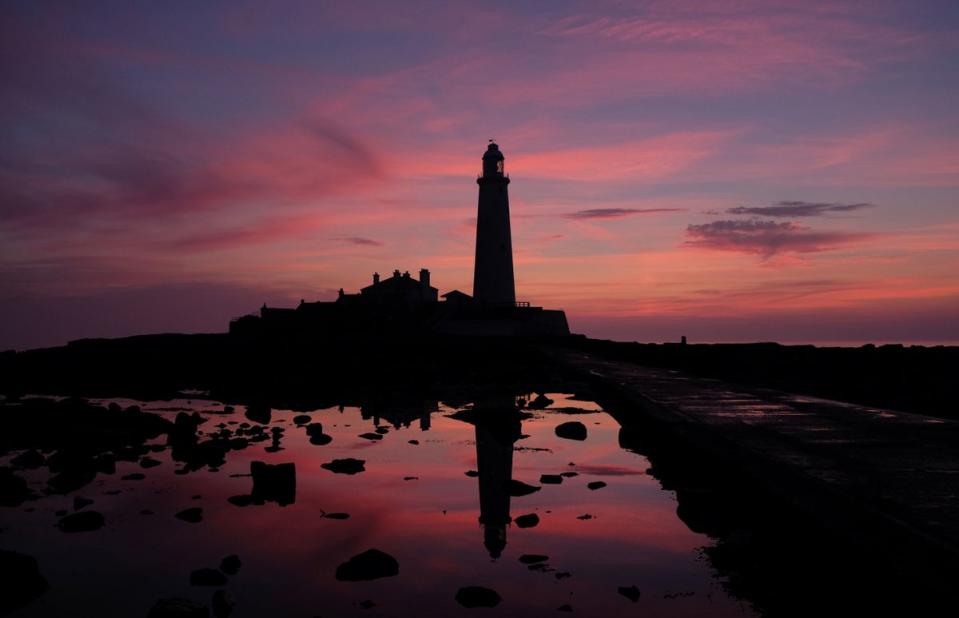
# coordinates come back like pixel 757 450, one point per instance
pixel 766 238
pixel 616 213
pixel 798 209
pixel 360 241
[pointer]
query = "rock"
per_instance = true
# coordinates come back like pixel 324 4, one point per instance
pixel 207 577
pixel 630 592
pixel 383 430
pixel 477 596
pixel 314 429
pixel 79 502
pixel 519 488
pixel 61 512
pixel 274 483
pixel 302 419
pixel 533 558
pixel 565 608
pixel 228 409
pixel 371 436
pixel 550 479
pixel 596 485
pixel 472 473
pixel 367 604
pixel 193 515
pixel 569 475
pixel 84 521
pixel 105 463
pixel 72 479
pixel 326 515
pixel 178 608
pixel 371 564
pixel 345 466
pixel 527 521
pixel 572 430
pixel 243 500
pixel 321 440
pixel 223 604
pixel 13 489
pixel 149 462
pixel 134 476
pixel 20 580
pixel 231 564
pixel 541 401
pixel 29 459
pixel 585 516
pixel 563 575
pixel 414 442
pixel 259 414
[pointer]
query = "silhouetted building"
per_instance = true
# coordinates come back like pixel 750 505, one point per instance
pixel 401 304
pixel 493 270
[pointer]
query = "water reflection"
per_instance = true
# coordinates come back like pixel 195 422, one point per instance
pixel 497 429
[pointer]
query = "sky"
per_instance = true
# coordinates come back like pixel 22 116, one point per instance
pixel 729 171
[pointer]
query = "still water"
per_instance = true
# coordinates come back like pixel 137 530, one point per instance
pixel 433 495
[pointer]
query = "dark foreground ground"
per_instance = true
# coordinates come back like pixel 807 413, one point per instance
pixel 855 523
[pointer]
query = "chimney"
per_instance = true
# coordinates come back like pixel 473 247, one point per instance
pixel 406 274
pixel 396 273
pixel 425 277
pixel 376 278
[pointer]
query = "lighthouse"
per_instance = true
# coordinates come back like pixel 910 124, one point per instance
pixel 493 272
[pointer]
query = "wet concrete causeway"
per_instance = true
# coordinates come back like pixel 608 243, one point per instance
pixel 888 481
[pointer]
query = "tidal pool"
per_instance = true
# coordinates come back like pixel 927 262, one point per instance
pixel 434 493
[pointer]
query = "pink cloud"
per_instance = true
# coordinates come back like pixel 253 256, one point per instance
pixel 766 238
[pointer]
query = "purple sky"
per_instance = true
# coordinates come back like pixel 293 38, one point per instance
pixel 731 171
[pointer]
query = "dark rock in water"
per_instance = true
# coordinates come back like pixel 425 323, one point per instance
pixel 472 473
pixel 79 502
pixel 371 436
pixel 321 440
pixel 371 564
pixel 105 463
pixel 20 580
pixel 243 500
pixel 550 479
pixel 231 564
pixel 193 515
pixel 223 604
pixel 411 478
pixel 314 429
pixel 61 512
pixel 345 466
pixel 414 442
pixel 178 608
pixel 527 521
pixel 238 444
pixel 259 414
pixel 228 409
pixel 326 515
pixel 563 575
pixel 29 459
pixel 477 596
pixel 207 577
pixel 596 485
pixel 274 483
pixel 302 419
pixel 533 558
pixel 569 475
pixel 541 401
pixel 585 516
pixel 149 462
pixel 572 430
pixel 13 489
pixel 565 608
pixel 84 521
pixel 72 479
pixel 519 488
pixel 630 592
pixel 133 476
pixel 383 430
pixel 367 604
